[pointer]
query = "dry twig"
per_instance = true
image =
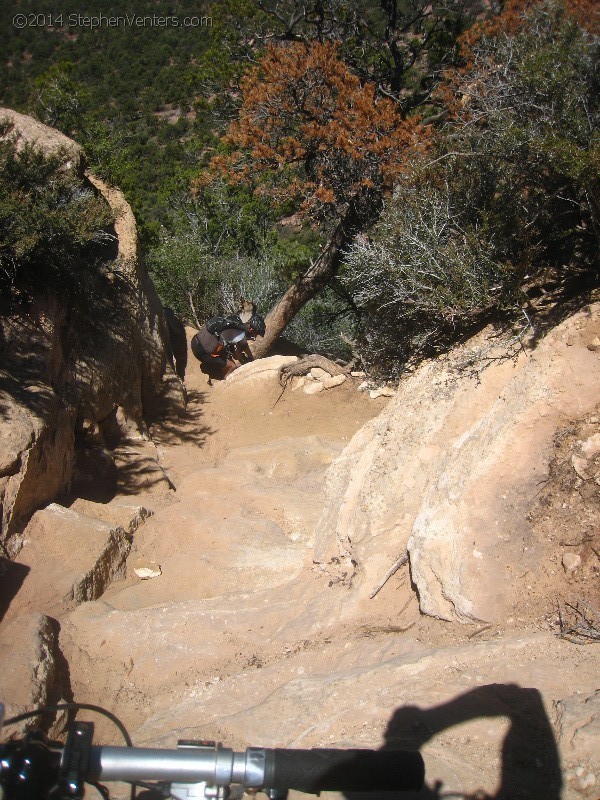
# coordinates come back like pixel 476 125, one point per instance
pixel 578 622
pixel 394 568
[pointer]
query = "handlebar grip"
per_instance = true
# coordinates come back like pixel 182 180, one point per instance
pixel 319 770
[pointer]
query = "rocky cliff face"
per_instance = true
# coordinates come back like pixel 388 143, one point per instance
pixel 222 625
pixel 454 471
pixel 63 379
pixel 252 642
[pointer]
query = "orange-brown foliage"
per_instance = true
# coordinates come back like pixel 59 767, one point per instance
pixel 510 20
pixel 308 125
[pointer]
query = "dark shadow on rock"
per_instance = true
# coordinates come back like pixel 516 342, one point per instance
pixel 95 475
pixel 572 301
pixel 186 427
pixel 12 577
pixel 61 690
pixel 139 465
pixel 530 768
pixel 178 342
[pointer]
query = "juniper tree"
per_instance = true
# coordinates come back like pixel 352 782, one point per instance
pixel 310 133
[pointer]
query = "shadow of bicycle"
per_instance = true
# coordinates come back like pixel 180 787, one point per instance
pixel 530 766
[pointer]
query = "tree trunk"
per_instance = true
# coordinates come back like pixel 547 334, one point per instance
pixel 307 285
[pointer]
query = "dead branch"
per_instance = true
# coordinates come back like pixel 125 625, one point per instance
pixel 304 366
pixel 394 568
pixel 578 622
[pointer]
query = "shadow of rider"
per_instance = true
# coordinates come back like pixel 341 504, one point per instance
pixel 530 767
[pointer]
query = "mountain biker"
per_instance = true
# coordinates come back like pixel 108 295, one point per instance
pixel 221 345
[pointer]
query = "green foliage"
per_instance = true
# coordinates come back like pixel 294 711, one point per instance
pixel 184 271
pixel 219 245
pixel 49 223
pixel 397 45
pixel 325 324
pixel 293 250
pixel 510 190
pixel 148 102
pixel 130 94
pixel 507 201
pixel 198 284
pixel 57 100
pixel 422 278
pixel 532 116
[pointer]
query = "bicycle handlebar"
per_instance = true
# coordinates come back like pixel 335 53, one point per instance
pixel 310 771
pixel 32 768
pixel 319 770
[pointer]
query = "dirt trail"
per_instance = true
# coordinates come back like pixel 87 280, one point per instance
pixel 248 471
pixel 233 543
pixel 242 639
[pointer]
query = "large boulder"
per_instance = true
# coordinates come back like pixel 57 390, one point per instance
pixel 262 368
pixel 34 133
pixel 450 471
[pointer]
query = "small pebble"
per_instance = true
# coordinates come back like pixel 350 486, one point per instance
pixel 594 345
pixel 571 562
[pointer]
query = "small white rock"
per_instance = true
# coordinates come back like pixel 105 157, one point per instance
pixel 313 388
pixel 299 383
pixel 571 562
pixel 147 569
pixel 363 386
pixel 594 345
pixel 319 374
pixel 359 374
pixel 591 447
pixel 383 391
pixel 336 380
pixel 580 465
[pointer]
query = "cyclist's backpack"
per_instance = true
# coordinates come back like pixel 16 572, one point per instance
pixel 219 324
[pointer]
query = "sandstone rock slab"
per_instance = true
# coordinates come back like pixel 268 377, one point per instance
pixel 262 369
pixel 32 132
pixel 319 374
pixel 71 558
pixel 483 715
pixel 315 387
pixel 449 471
pixel 335 380
pixel 118 512
pixel 27 655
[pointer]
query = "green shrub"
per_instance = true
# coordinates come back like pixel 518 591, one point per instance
pixel 507 200
pixel 423 273
pixel 49 222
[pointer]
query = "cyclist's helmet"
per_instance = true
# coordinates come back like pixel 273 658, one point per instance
pixel 256 326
